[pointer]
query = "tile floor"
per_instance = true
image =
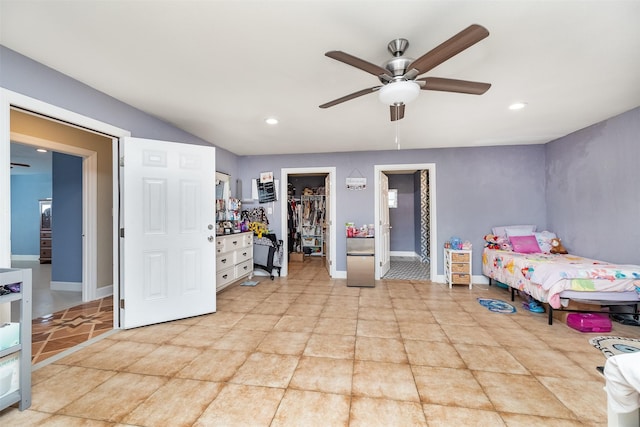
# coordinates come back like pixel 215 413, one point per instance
pixel 307 350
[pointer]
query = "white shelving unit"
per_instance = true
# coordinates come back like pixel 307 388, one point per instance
pixel 457 267
pixel 312 223
pixel 15 361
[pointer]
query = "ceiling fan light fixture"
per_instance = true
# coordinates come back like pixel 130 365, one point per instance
pixel 41 150
pixel 399 92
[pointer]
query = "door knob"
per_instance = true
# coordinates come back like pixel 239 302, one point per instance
pixel 210 238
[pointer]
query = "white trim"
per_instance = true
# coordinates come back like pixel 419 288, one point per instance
pixel 9 98
pixel 431 167
pixel 66 286
pixel 404 254
pixel 284 180
pixel 342 274
pixel 104 291
pixel 25 257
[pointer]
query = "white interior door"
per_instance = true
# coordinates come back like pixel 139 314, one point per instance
pixel 384 257
pixel 327 222
pixel 168 250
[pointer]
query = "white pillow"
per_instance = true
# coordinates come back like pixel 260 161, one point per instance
pixel 544 240
pixel 517 232
pixel 501 230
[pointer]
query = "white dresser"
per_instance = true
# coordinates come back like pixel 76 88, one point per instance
pixel 234 258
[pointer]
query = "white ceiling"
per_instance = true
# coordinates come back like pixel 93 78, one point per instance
pixel 217 69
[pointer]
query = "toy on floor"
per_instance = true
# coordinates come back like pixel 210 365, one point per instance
pixel 532 305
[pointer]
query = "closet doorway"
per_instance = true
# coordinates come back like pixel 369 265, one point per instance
pixel 307 215
pixel 412 223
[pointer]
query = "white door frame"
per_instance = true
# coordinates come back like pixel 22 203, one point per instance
pixel 89 206
pixel 284 180
pixel 7 100
pixel 431 167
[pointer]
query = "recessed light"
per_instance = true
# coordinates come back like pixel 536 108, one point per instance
pixel 271 121
pixel 41 150
pixel 517 106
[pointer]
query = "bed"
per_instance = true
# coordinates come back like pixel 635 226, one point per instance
pixel 556 279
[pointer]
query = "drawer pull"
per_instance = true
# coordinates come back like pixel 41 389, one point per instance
pixel 224 260
pixel 225 276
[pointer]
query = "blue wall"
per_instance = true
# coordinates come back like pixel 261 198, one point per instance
pixel 402 218
pixel 26 191
pixel 66 228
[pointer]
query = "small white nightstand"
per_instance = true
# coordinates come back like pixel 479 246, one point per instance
pixel 457 267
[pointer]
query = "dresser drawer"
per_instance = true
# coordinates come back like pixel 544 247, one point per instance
pixel 45 234
pixel 244 254
pixel 455 257
pixel 225 260
pixel 463 279
pixel 224 277
pixel 459 268
pixel 45 243
pixel 244 268
pixel 45 253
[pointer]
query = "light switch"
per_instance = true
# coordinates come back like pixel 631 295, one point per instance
pixel 269 211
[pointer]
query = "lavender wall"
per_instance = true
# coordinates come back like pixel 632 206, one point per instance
pixel 592 186
pixel 477 188
pixel 402 218
pixel 28 77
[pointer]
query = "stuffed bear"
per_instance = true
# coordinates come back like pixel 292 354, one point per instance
pixel 491 241
pixel 557 247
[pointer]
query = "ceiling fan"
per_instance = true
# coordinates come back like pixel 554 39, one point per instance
pixel 24 165
pixel 398 75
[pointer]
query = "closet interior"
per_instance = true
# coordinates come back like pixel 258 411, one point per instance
pixel 306 204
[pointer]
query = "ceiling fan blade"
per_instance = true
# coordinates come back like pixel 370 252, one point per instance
pixel 350 96
pixel 397 111
pixel 24 165
pixel 359 63
pixel 456 44
pixel 452 85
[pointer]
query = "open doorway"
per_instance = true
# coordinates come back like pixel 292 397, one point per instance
pixel 307 214
pixel 407 242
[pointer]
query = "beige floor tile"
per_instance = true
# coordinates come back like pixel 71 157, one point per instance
pixel 305 309
pixel 271 308
pixel 367 412
pixel 118 356
pixel 520 420
pixel 339 312
pixel 584 398
pixel 115 398
pixel 505 392
pixel 548 362
pixel 267 370
pixel 311 297
pixel 47 372
pixel 66 386
pixel 278 342
pixel 588 361
pixel 156 334
pixel 422 331
pixel 237 339
pixel 323 374
pixel 198 336
pixel 334 346
pixel 384 380
pixel 224 320
pixel 11 416
pixel 296 324
pixel 487 358
pixel 378 328
pixel 518 338
pixel 450 387
pixel 179 402
pixel 376 313
pixel 310 408
pixel 335 326
pixel 414 316
pixel 445 416
pixel 242 405
pixel 214 365
pixel 460 334
pixel 350 301
pixel 257 322
pixel 453 317
pixel 380 350
pixel 166 360
pixel 433 353
pixel 414 303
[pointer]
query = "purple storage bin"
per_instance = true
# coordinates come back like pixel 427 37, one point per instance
pixel 589 322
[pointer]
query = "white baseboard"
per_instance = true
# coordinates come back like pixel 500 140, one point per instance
pixel 340 275
pixel 25 257
pixel 104 291
pixel 66 286
pixel 404 253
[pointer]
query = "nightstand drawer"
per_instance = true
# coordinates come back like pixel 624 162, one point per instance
pixel 459 278
pixel 459 268
pixel 455 257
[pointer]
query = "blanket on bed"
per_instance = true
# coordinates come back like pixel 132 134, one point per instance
pixel 554 273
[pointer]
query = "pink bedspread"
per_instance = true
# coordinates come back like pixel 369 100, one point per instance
pixel 545 276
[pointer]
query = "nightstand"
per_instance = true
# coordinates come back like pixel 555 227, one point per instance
pixel 457 267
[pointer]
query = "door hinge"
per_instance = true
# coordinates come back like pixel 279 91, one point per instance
pixel 122 304
pixel 380 263
pixel 122 161
pixel 122 232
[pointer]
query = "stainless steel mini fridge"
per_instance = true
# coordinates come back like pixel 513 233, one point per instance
pixel 361 261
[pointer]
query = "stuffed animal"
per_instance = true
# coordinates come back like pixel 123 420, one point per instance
pixel 491 241
pixel 557 247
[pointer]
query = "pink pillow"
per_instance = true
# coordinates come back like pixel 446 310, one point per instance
pixel 525 244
